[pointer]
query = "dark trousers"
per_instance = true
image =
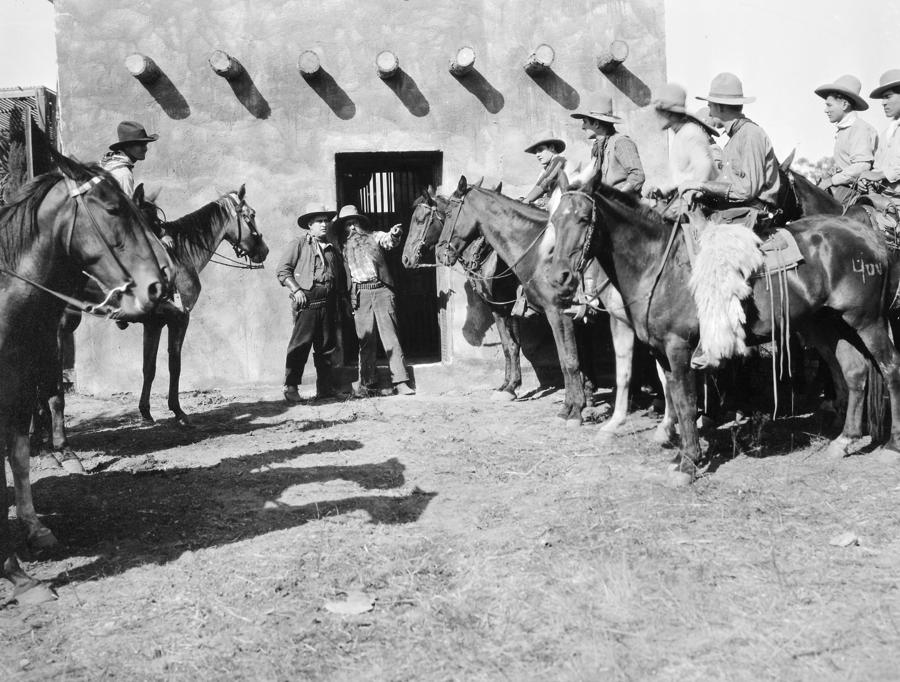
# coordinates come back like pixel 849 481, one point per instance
pixel 378 311
pixel 314 328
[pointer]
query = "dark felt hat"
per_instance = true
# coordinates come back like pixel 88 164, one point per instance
pixel 131 132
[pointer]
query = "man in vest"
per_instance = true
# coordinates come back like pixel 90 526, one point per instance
pixel 854 140
pixel 372 298
pixel 614 154
pixel 747 190
pixel 310 268
pixel 886 169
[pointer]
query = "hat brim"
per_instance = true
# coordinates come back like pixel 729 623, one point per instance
pixel 715 132
pixel 858 102
pixel 303 221
pixel 359 216
pixel 124 143
pixel 605 118
pixel 715 99
pixel 559 144
pixel 672 109
pixel 880 90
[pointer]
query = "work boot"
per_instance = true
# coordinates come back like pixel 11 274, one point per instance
pixel 291 395
pixel 403 388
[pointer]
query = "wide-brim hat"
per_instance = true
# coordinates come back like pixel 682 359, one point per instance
pixel 313 210
pixel 726 88
pixel 350 211
pixel 546 138
pixel 131 132
pixel 671 98
pixel 602 111
pixel 889 80
pixel 846 86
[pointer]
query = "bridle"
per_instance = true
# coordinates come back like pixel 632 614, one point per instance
pixel 589 234
pixel 77 193
pixel 244 215
pixel 434 215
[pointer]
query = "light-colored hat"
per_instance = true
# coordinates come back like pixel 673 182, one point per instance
pixel 672 97
pixel 889 80
pixel 846 86
pixel 131 132
pixel 726 88
pixel 602 111
pixel 314 209
pixel 350 211
pixel 549 139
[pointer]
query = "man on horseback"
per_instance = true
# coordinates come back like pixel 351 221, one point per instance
pixel 854 141
pixel 548 149
pixel 613 153
pixel 372 298
pixel 886 169
pixel 747 190
pixel 310 268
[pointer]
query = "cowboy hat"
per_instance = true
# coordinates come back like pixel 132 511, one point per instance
pixel 889 80
pixel 548 139
pixel 314 209
pixel 131 132
pixel 671 98
pixel 603 111
pixel 847 87
pixel 726 88
pixel 350 211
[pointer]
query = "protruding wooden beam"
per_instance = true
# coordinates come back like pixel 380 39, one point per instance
pixel 387 63
pixel 463 62
pixel 309 64
pixel 142 67
pixel 610 60
pixel 540 60
pixel 224 65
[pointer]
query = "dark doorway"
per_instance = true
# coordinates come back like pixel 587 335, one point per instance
pixel 383 185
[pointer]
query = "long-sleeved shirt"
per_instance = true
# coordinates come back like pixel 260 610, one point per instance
pixel 749 164
pixel 855 142
pixel 547 182
pixel 120 166
pixel 309 262
pixel 620 163
pixel 364 255
pixel 690 157
pixel 887 158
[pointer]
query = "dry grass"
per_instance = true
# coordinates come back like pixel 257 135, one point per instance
pixel 498 546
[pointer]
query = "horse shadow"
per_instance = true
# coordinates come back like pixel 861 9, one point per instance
pixel 332 94
pixel 125 520
pixel 490 98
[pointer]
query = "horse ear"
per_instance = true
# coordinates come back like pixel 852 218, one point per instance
pixel 462 185
pixel 499 187
pixel 563 182
pixel 241 192
pixel 430 191
pixel 138 196
pixel 154 195
pixel 789 160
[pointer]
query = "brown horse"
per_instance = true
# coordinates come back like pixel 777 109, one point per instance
pixel 829 300
pixel 64 225
pixel 521 236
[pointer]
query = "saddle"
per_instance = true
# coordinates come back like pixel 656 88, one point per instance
pixel 779 249
pixel 884 216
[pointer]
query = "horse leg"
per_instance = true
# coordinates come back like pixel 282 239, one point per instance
pixel 665 430
pixel 682 386
pixel 854 368
pixel 26 590
pixel 19 449
pixel 564 335
pixel 56 407
pixel 507 390
pixel 152 332
pixel 885 354
pixel 177 331
pixel 623 344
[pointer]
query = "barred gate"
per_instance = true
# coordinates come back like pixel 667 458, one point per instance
pixel 383 185
pixel 27 132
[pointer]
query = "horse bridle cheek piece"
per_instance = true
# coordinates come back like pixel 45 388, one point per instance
pixel 588 234
pixel 455 212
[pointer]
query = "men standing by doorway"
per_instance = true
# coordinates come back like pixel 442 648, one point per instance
pixel 372 298
pixel 854 141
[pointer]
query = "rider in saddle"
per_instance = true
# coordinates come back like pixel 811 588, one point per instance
pixel 854 140
pixel 690 152
pixel 747 190
pixel 886 170
pixel 119 162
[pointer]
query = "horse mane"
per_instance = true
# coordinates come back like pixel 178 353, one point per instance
pixel 628 207
pixel 193 233
pixel 532 213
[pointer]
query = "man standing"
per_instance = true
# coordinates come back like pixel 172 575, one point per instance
pixel 854 141
pixel 309 269
pixel 613 153
pixel 748 187
pixel 372 298
pixel 887 160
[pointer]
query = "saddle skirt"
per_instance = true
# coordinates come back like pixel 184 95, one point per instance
pixel 780 252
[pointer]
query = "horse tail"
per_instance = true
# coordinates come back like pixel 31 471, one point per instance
pixel 728 256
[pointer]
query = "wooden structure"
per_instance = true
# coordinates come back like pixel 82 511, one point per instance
pixel 540 60
pixel 387 63
pixel 309 64
pixel 225 65
pixel 610 60
pixel 142 67
pixel 28 128
pixel 463 62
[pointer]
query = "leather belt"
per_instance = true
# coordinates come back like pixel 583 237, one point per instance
pixel 372 284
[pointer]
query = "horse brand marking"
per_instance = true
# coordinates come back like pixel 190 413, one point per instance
pixel 864 268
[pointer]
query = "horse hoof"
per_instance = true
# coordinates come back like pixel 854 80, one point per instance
pixel 70 462
pixel 837 449
pixel 147 418
pixel 503 396
pixel 41 539
pixel 183 421
pixel 678 479
pixel 573 422
pixel 47 461
pixel 32 593
pixel 662 436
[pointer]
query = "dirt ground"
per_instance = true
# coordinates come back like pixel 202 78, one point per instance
pixel 494 543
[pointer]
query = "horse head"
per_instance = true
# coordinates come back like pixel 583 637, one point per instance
pixel 243 236
pixel 425 227
pixel 460 228
pixel 573 223
pixel 109 239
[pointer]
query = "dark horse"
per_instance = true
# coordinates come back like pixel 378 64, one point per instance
pixel 829 301
pixel 63 226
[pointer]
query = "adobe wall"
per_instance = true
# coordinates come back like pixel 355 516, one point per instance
pixel 281 139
